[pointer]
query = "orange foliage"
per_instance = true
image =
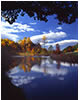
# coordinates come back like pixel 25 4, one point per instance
pixel 28 40
pixel 24 68
pixel 29 45
pixel 3 43
pixel 7 42
pixel 33 59
pixel 28 49
pixel 33 51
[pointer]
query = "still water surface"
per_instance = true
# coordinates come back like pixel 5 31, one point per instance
pixel 41 78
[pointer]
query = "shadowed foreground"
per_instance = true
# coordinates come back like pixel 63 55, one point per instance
pixel 8 90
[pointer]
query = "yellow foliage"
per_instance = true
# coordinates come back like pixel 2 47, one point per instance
pixel 11 43
pixel 28 40
pixel 29 45
pixel 7 42
pixel 32 51
pixel 44 37
pixel 24 38
pixel 23 42
pixel 3 43
pixel 33 59
pixel 76 50
pixel 24 68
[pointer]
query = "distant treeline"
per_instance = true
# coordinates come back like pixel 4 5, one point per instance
pixel 26 45
pixel 71 49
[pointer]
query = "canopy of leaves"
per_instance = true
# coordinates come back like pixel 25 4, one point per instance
pixel 8 43
pixel 28 40
pixel 66 11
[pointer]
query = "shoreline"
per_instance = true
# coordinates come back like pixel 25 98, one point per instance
pixel 70 58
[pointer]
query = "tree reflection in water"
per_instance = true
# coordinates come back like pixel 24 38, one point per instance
pixel 26 63
pixel 25 70
pixel 58 64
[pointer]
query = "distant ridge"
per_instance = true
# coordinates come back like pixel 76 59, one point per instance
pixel 71 48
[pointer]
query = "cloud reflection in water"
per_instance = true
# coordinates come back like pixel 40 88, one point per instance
pixel 46 66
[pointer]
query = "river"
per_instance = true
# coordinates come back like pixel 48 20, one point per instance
pixel 39 78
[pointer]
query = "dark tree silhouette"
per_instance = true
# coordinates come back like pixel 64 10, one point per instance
pixel 66 11
pixel 57 48
pixel 50 48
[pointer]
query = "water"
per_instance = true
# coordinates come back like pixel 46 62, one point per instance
pixel 41 78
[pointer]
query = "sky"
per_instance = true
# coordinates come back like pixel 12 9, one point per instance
pixel 64 35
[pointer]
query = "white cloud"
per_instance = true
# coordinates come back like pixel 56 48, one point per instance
pixel 51 36
pixel 59 28
pixel 66 64
pixel 16 27
pixel 50 70
pixel 7 30
pixel 18 77
pixel 63 43
pixel 10 36
pixel 20 80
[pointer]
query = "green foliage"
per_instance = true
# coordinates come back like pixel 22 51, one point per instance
pixel 50 48
pixel 71 48
pixel 44 51
pixel 75 47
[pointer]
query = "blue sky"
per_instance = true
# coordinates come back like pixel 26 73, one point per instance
pixel 65 34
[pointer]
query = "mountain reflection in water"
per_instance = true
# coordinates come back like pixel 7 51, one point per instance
pixel 42 78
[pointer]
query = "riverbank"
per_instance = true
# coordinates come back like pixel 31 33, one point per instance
pixel 71 57
pixel 66 57
pixel 31 54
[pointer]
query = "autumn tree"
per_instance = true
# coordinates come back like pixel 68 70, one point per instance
pixel 44 40
pixel 28 49
pixel 9 43
pixel 28 40
pixel 33 51
pixel 3 43
pixel 76 50
pixel 24 67
pixel 57 48
pixel 38 50
pixel 23 44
